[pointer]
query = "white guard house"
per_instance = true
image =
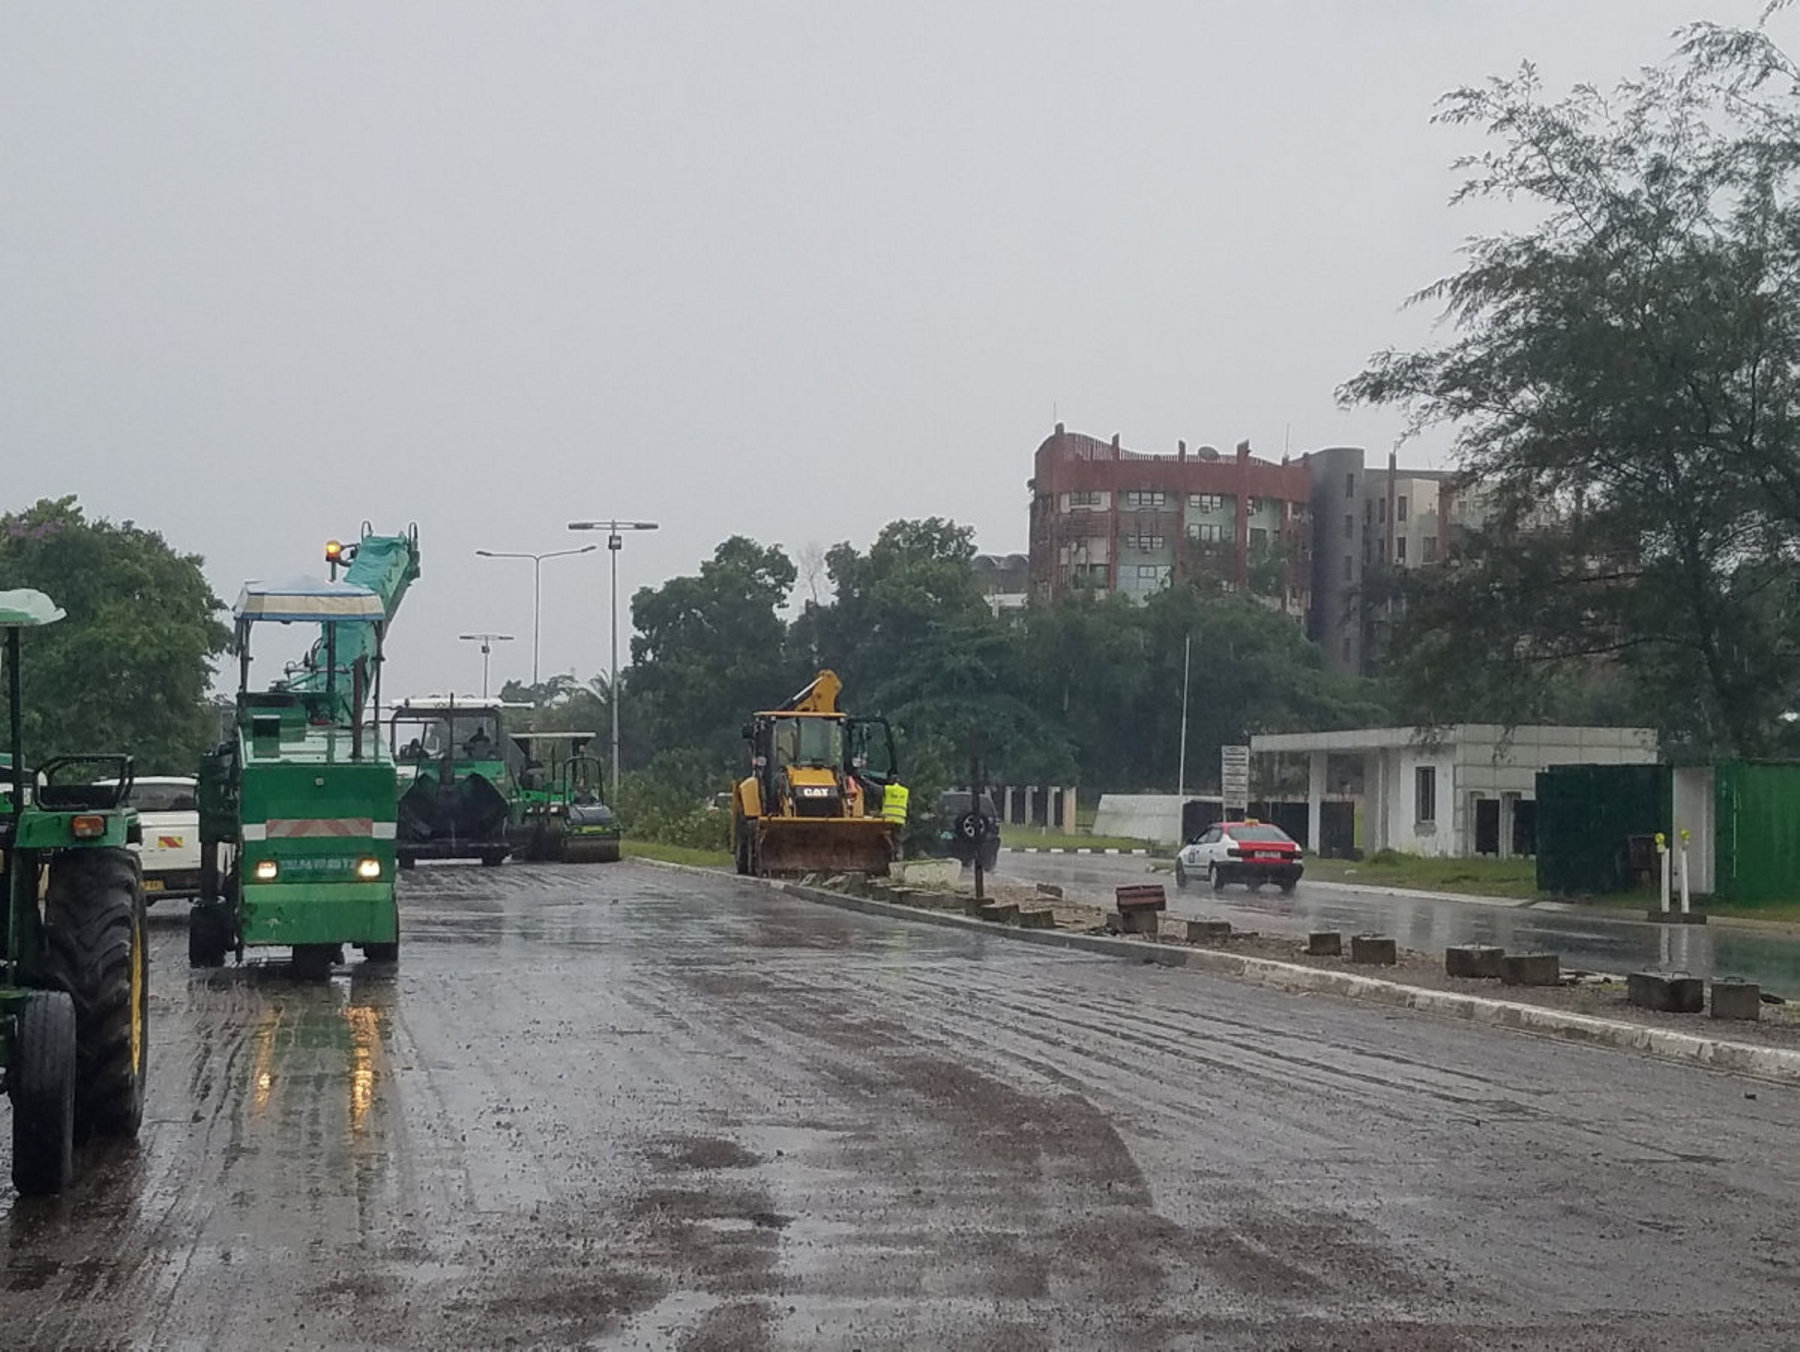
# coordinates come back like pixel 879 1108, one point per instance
pixel 1456 791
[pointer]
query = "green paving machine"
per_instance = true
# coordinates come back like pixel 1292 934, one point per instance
pixel 299 802
pixel 563 816
pixel 74 978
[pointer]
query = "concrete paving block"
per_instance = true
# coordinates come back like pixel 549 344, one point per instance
pixel 1734 999
pixel 1208 931
pixel 973 907
pixel 1039 919
pixel 1670 992
pixel 1001 912
pixel 929 872
pixel 1374 949
pixel 1324 944
pixel 1049 890
pixel 1475 960
pixel 1530 969
pixel 1137 921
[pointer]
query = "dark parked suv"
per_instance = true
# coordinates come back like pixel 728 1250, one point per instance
pixel 951 808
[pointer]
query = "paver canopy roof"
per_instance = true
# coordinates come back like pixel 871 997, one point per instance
pixel 307 598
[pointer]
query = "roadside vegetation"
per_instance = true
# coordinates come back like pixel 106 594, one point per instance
pixel 1390 868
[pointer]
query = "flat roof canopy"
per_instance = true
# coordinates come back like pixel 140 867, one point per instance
pixel 308 598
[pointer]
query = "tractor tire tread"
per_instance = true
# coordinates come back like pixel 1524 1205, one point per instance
pixel 93 923
pixel 41 1083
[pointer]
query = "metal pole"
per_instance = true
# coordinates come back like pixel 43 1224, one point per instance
pixel 485 650
pixel 1187 652
pixel 16 717
pixel 613 543
pixel 537 613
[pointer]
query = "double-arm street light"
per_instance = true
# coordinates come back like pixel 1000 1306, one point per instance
pixel 537 587
pixel 487 642
pixel 614 542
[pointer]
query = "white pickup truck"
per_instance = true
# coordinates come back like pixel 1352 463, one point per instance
pixel 169 813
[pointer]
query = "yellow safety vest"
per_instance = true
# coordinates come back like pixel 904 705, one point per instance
pixel 893 803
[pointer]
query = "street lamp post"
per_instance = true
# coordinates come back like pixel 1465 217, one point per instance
pixel 487 642
pixel 537 587
pixel 614 542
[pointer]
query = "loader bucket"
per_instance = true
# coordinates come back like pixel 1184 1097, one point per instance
pixel 787 846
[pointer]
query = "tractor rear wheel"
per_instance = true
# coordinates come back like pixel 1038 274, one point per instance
pixel 382 952
pixel 741 836
pixel 209 935
pixel 313 962
pixel 41 1081
pixel 94 950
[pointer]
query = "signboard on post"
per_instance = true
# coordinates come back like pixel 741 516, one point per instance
pixel 1234 779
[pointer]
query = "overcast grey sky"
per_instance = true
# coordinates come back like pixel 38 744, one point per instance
pixel 789 270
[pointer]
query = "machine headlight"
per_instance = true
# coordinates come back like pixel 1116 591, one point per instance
pixel 267 870
pixel 87 827
pixel 368 868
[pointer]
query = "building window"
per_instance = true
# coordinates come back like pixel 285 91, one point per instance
pixel 1400 549
pixel 1256 505
pixel 1400 508
pixel 1144 544
pixel 1346 647
pixel 1258 537
pixel 1206 532
pixel 1349 525
pixel 1381 512
pixel 1425 793
pixel 1349 567
pixel 1350 485
pixel 1080 500
pixel 1428 554
pixel 1145 497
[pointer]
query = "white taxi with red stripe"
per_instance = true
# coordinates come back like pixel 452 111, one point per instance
pixel 1249 852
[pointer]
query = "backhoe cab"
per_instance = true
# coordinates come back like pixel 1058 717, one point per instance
pixel 823 793
pixel 74 978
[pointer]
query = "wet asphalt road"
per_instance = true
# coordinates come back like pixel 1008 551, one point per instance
pixel 630 1107
pixel 1597 942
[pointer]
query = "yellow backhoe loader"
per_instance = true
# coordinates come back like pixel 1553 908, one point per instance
pixel 822 795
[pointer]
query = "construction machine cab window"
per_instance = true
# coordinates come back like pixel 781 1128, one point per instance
pixel 809 741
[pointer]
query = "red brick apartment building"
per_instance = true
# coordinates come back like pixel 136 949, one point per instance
pixel 1112 520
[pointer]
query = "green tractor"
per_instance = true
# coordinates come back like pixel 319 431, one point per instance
pixel 74 971
pixel 563 816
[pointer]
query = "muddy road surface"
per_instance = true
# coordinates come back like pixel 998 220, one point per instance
pixel 625 1106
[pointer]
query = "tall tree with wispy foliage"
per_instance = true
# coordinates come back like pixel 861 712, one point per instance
pixel 1622 378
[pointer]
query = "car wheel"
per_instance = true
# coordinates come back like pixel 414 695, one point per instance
pixel 1216 878
pixel 1181 878
pixel 1287 887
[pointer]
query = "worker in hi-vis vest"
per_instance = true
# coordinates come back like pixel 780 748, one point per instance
pixel 893 804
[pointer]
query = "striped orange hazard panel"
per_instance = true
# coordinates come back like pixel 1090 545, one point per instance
pixel 168 842
pixel 318 828
pixel 293 827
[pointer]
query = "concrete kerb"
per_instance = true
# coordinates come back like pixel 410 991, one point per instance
pixel 1770 1063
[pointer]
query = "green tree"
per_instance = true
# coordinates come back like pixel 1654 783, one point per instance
pixel 712 648
pixel 913 638
pixel 1624 384
pixel 129 668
